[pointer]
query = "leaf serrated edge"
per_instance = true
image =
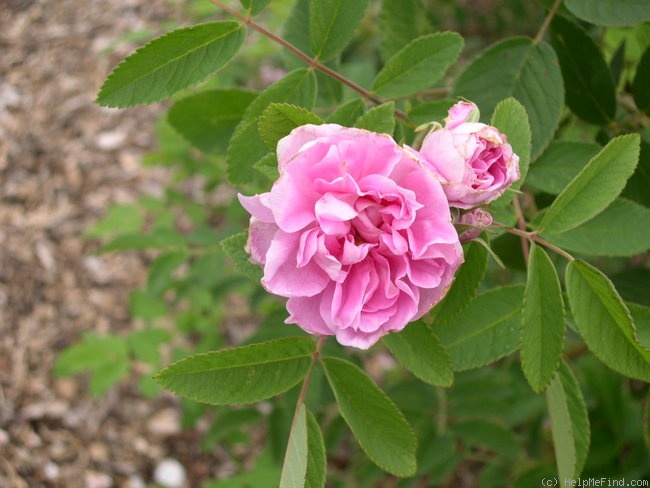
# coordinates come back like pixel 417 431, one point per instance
pixel 395 408
pixel 248 268
pixel 446 358
pixel 328 29
pixel 466 301
pixel 197 398
pixel 147 45
pixel 529 140
pixel 523 356
pixel 305 340
pixel 252 114
pixel 370 112
pixel 544 222
pixel 279 106
pixel 491 325
pixel 417 40
pixel 591 269
pixel 220 118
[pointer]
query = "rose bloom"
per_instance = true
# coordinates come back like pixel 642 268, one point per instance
pixel 474 161
pixel 356 233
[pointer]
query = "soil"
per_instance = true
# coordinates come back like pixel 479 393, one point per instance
pixel 63 161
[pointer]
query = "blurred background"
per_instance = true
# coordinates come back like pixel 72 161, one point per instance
pixel 63 162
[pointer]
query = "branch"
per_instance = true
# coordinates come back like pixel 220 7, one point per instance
pixel 532 236
pixel 547 21
pixel 305 384
pixel 312 62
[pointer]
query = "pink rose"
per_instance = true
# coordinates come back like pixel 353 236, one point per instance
pixel 474 161
pixel 475 221
pixel 356 233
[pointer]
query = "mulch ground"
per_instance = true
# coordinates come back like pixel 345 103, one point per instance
pixel 63 161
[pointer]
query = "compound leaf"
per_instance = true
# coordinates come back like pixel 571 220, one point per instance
pixel 376 422
pixel 604 322
pixel 240 375
pixel 170 63
pixel 542 325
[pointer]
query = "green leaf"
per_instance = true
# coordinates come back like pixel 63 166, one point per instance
pixel 465 285
pixel 159 278
pixel 268 166
pixel 569 423
pixel 265 474
pixel 642 82
pixel 246 146
pixel 90 351
pixel 604 322
pixel 622 229
pixel 378 119
pixel 638 184
pixel 559 164
pixel 431 111
pixel 543 324
pixel 519 68
pixel 235 247
pixel 296 29
pixel 485 330
pixel 595 187
pixel 305 462
pixel 105 375
pixel 332 24
pixel 418 65
pixel 487 434
pixel 419 350
pixel 254 6
pixel 170 63
pixel 157 239
pixel 376 422
pixel 244 374
pixel 400 23
pixel 511 119
pixel 294 468
pixel 347 113
pixel 106 357
pixel 119 219
pixel 208 119
pixel 641 317
pixel 143 305
pixel 145 343
pixel 590 90
pixel 611 13
pixel 279 119
pixel 316 457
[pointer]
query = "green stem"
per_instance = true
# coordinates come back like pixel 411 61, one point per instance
pixel 532 236
pixel 305 384
pixel 312 62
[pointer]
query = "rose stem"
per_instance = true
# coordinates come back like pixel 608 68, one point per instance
pixel 314 63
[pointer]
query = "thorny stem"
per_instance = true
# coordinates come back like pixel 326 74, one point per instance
pixel 312 62
pixel 547 21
